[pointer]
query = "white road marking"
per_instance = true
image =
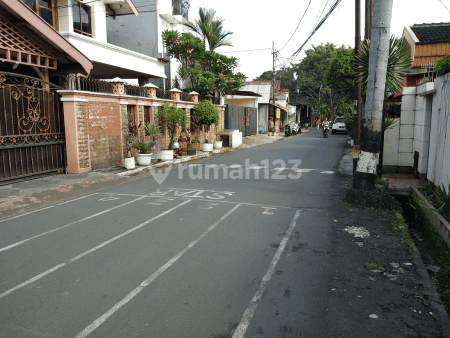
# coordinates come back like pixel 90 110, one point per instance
pixel 49 271
pixel 49 207
pixel 219 201
pixel 99 321
pixel 248 314
pixel 154 203
pixel 327 172
pixel 267 210
pixel 68 225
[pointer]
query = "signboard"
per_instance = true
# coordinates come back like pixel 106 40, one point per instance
pixel 278 113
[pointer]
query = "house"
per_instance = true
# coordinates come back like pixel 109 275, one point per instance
pixel 267 110
pixel 83 24
pixel 143 34
pixel 35 57
pixel 69 118
pixel 418 142
pixel 429 43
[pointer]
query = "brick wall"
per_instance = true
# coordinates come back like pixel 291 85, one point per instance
pixel 83 139
pixel 104 132
pixel 101 125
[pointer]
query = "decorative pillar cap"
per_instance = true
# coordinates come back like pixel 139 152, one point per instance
pixel 150 85
pixel 194 93
pixel 118 79
pixel 175 90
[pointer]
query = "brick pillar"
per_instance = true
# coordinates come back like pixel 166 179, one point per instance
pixel 77 138
pixel 118 86
pixel 151 90
pixel 194 96
pixel 175 94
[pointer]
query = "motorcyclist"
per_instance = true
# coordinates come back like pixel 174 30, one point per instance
pixel 325 123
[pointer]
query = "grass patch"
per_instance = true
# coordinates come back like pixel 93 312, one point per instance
pixel 374 266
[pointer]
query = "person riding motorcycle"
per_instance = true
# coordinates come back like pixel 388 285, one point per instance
pixel 325 123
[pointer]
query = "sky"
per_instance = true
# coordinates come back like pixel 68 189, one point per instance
pixel 255 24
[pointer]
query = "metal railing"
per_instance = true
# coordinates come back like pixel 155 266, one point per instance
pixel 81 83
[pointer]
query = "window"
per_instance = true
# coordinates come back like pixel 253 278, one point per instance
pixel 46 9
pixel 81 18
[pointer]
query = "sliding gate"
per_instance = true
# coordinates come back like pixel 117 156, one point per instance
pixel 242 118
pixel 31 127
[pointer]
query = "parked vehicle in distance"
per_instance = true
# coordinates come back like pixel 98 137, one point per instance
pixel 338 125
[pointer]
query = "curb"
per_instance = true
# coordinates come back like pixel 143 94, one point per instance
pixel 435 299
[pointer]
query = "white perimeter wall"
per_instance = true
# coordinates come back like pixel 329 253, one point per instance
pixel 424 127
pixel 439 153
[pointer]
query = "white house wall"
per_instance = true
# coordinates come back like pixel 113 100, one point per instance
pixel 439 151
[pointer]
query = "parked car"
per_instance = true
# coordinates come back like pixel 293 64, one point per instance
pixel 338 125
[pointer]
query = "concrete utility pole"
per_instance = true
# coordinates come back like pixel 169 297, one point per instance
pixel 368 20
pixel 366 169
pixel 357 87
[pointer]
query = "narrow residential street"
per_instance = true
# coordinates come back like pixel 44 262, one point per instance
pixel 187 258
pixel 254 252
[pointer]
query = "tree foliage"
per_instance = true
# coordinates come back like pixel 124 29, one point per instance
pixel 172 118
pixel 442 66
pixel 399 63
pixel 207 71
pixel 207 113
pixel 340 75
pixel 210 28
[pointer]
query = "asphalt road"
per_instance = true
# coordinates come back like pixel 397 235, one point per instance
pixel 214 249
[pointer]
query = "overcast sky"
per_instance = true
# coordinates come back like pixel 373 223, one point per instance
pixel 255 24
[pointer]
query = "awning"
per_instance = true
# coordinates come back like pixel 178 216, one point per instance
pixel 120 7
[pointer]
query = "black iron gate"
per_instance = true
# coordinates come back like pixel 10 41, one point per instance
pixel 31 127
pixel 243 119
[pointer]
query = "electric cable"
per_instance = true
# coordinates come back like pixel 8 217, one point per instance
pixel 297 26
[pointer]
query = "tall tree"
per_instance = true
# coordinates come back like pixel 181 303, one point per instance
pixel 366 169
pixel 341 72
pixel 210 29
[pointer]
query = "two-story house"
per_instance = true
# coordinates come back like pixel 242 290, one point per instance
pixel 84 24
pixel 143 34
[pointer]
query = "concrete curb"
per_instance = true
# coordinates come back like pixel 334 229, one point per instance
pixel 435 299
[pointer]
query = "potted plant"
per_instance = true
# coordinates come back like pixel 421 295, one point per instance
pixel 218 144
pixel 129 160
pixel 152 130
pixel 172 118
pixel 144 157
pixel 207 115
pixel 271 131
pixel 195 144
pixel 191 151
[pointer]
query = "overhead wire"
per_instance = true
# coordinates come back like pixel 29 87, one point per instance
pixel 316 28
pixel 297 26
pixel 444 6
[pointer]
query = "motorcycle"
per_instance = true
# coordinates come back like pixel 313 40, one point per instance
pixel 287 130
pixel 326 130
pixel 296 129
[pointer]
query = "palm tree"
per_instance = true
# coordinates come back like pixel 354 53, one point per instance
pixel 399 63
pixel 210 28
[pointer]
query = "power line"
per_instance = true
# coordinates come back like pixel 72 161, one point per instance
pixel 248 50
pixel 297 26
pixel 316 28
pixel 444 6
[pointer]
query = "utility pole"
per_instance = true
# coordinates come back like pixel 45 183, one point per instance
pixel 366 170
pixel 368 19
pixel 357 87
pixel 273 74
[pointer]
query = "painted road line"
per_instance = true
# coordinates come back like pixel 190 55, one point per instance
pixel 248 314
pixel 68 225
pixel 49 271
pixel 49 207
pixel 99 321
pixel 229 202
